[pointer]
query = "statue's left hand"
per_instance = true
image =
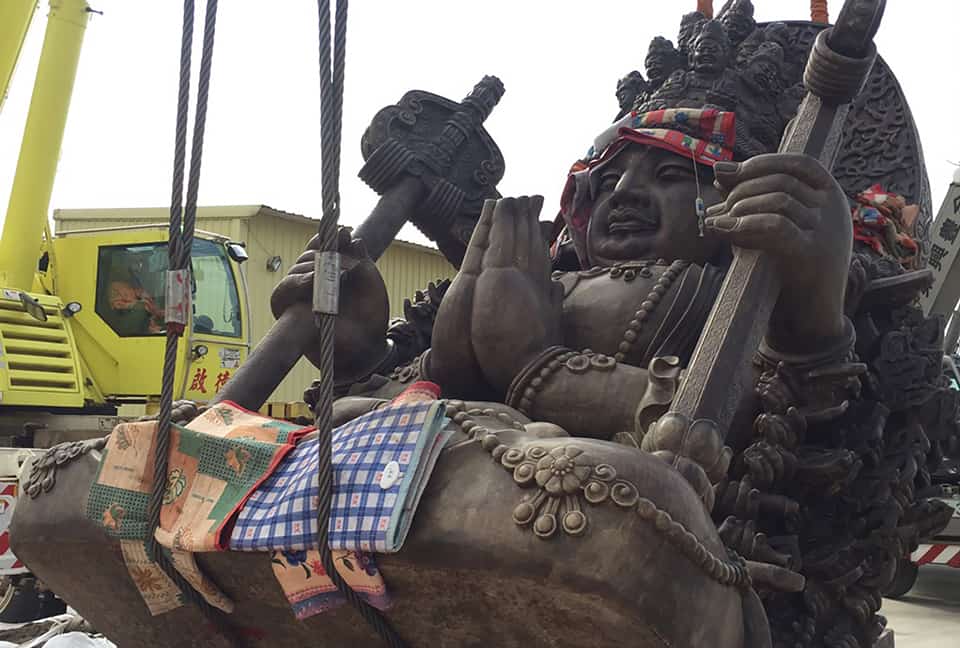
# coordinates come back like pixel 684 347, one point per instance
pixel 502 309
pixel 791 207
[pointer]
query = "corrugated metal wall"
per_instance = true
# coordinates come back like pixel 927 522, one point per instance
pixel 405 267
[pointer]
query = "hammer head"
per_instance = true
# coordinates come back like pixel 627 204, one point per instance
pixel 444 144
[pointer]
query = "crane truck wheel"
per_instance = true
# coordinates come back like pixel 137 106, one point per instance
pixel 22 601
pixel 904 579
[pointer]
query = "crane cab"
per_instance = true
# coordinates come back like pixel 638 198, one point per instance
pixel 99 342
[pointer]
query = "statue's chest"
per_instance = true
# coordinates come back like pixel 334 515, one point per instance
pixel 627 311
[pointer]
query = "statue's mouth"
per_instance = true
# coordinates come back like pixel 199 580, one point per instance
pixel 632 221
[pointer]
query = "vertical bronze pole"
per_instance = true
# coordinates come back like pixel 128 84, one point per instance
pixel 718 374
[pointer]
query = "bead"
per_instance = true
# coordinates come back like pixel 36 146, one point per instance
pixel 641 315
pixel 619 357
pixel 530 393
pixel 536 383
pixel 647 305
pixel 545 372
pixel 578 364
pixel 630 336
pixel 634 324
pixel 525 405
pixel 624 347
pixel 654 297
pixel 603 362
pixel 660 290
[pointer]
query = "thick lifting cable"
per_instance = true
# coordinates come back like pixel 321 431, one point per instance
pixel 326 288
pixel 178 283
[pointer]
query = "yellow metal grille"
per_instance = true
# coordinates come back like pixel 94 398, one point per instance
pixel 38 355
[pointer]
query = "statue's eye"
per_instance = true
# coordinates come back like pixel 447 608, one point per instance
pixel 608 181
pixel 674 172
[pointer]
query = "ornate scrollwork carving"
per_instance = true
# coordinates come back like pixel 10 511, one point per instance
pixel 43 472
pixel 566 476
pixel 562 476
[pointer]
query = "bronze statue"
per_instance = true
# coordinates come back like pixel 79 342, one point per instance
pixel 558 513
pixel 661 61
pixel 738 21
pixel 690 26
pixel 629 89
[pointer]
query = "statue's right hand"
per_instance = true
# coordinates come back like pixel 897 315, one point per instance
pixel 360 332
pixel 297 286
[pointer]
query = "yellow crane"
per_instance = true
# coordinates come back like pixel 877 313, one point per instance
pixel 81 314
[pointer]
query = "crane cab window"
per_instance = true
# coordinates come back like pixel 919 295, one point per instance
pixel 216 304
pixel 131 283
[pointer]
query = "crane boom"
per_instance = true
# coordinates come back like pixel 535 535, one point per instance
pixel 40 148
pixel 15 19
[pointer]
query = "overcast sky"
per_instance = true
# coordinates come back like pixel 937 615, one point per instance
pixel 559 62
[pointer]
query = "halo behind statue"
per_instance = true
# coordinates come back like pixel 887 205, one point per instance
pixel 757 73
pixel 881 144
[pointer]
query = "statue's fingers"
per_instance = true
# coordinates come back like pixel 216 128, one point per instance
pixel 507 218
pixel 522 235
pixel 301 267
pixel 773 232
pixel 479 240
pixel 776 183
pixel 357 249
pixel 539 249
pixel 314 243
pixel 529 248
pixel 803 167
pixel 306 257
pixel 773 203
pixel 775 578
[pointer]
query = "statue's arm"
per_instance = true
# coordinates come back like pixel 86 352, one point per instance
pixel 361 346
pixel 586 393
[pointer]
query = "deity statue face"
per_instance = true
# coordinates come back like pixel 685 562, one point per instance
pixel 778 33
pixel 709 53
pixel 764 68
pixel 738 21
pixel 628 88
pixel 689 28
pixel 662 59
pixel 645 208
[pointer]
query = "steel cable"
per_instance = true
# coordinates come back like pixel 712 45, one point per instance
pixel 331 121
pixel 181 231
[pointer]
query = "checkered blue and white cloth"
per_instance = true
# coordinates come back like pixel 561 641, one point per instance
pixel 367 514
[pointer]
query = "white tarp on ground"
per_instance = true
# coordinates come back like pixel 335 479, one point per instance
pixel 69 640
pixel 55 637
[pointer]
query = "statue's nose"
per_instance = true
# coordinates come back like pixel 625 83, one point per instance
pixel 629 196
